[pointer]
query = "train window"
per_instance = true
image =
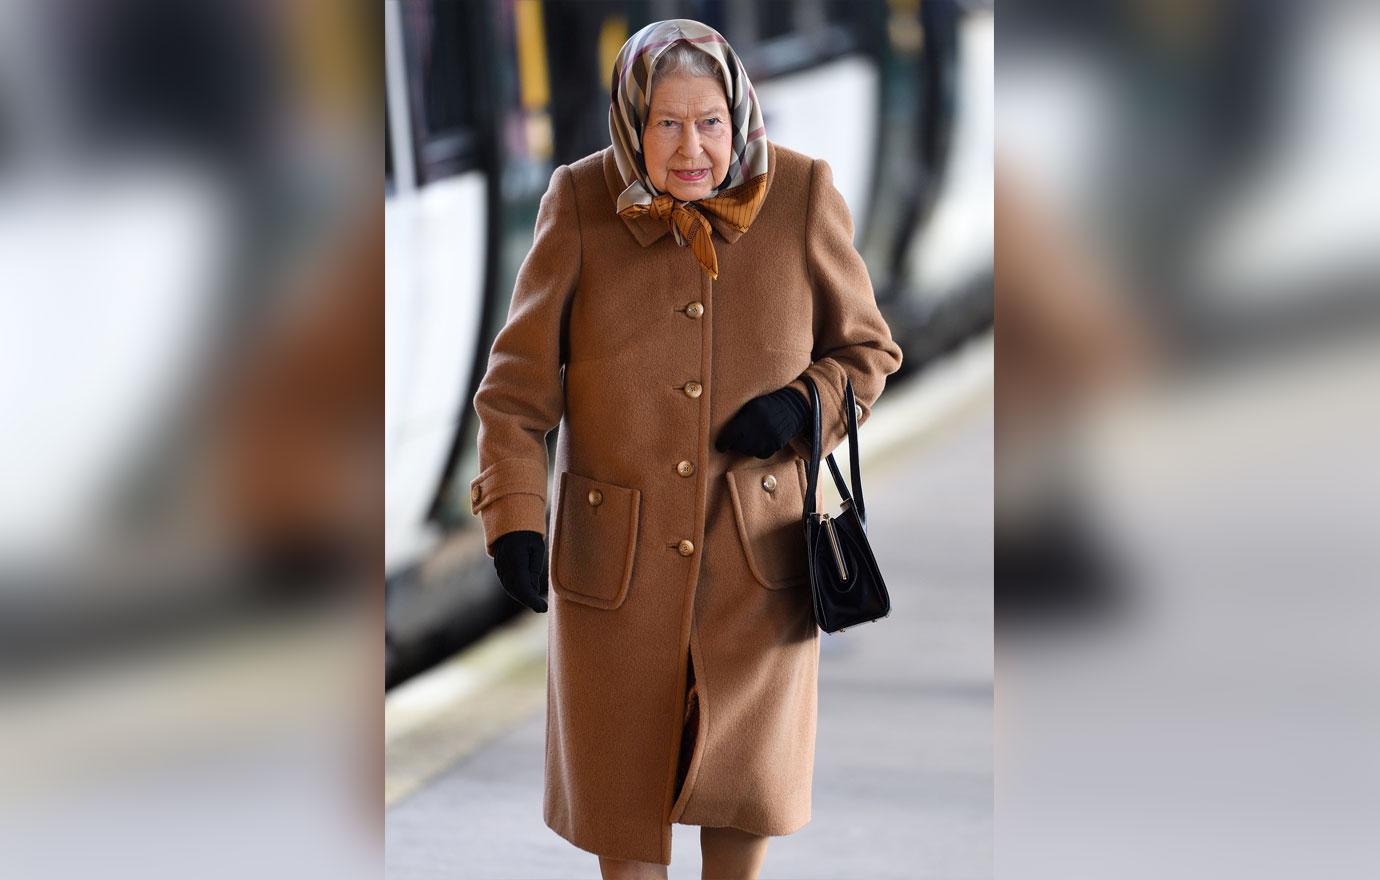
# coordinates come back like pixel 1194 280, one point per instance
pixel 444 83
pixel 712 13
pixel 440 85
pixel 775 18
pixel 780 37
pixel 844 12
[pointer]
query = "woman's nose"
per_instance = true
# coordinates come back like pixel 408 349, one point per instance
pixel 690 142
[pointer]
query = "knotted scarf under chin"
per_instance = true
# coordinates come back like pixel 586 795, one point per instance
pixel 689 224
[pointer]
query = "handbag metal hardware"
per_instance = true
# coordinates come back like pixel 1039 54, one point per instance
pixel 834 544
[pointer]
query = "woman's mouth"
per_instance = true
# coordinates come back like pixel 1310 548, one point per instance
pixel 689 176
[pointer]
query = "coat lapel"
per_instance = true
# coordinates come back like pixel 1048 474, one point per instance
pixel 647 229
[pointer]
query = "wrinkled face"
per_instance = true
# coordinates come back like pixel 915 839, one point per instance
pixel 688 138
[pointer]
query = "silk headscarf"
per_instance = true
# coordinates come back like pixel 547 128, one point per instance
pixel 739 196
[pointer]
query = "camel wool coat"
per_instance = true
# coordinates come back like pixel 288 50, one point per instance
pixel 663 550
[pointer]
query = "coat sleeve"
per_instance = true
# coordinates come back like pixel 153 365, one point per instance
pixel 522 396
pixel 851 339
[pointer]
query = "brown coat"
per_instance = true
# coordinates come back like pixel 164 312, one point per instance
pixel 663 548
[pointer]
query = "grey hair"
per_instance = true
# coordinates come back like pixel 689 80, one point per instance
pixel 684 59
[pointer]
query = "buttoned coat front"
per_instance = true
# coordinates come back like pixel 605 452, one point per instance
pixel 663 550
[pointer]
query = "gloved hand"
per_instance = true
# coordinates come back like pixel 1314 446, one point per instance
pixel 519 558
pixel 765 423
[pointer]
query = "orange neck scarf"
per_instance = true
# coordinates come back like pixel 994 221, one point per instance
pixel 737 206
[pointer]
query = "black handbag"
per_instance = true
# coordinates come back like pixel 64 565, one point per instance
pixel 845 583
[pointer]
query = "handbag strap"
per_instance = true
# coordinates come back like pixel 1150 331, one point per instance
pixel 816 445
pixel 813 469
pixel 854 466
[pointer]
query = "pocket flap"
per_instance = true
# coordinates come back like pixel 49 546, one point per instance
pixel 595 540
pixel 769 507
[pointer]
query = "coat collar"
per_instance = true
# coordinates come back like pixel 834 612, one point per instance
pixel 646 228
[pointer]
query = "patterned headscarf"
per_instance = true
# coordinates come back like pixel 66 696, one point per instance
pixel 740 195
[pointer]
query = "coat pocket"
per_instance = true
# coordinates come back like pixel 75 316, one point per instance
pixel 769 507
pixel 595 540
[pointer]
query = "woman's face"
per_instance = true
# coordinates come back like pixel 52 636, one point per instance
pixel 688 130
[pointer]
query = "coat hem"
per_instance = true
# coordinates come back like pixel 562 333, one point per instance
pixel 572 839
pixel 780 830
pixel 773 831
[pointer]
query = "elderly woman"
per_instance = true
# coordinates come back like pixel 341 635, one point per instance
pixel 682 283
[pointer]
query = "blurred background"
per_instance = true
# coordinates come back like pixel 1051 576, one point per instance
pixel 191 491
pixel 484 100
pixel 193 528
pixel 1186 567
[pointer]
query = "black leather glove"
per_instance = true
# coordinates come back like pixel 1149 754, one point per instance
pixel 765 424
pixel 520 558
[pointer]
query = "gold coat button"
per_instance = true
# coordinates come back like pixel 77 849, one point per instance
pixel 695 309
pixel 595 496
pixel 693 389
pixel 769 482
pixel 475 493
pixel 685 548
pixel 685 468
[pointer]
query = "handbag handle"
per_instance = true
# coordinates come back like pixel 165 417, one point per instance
pixel 856 497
